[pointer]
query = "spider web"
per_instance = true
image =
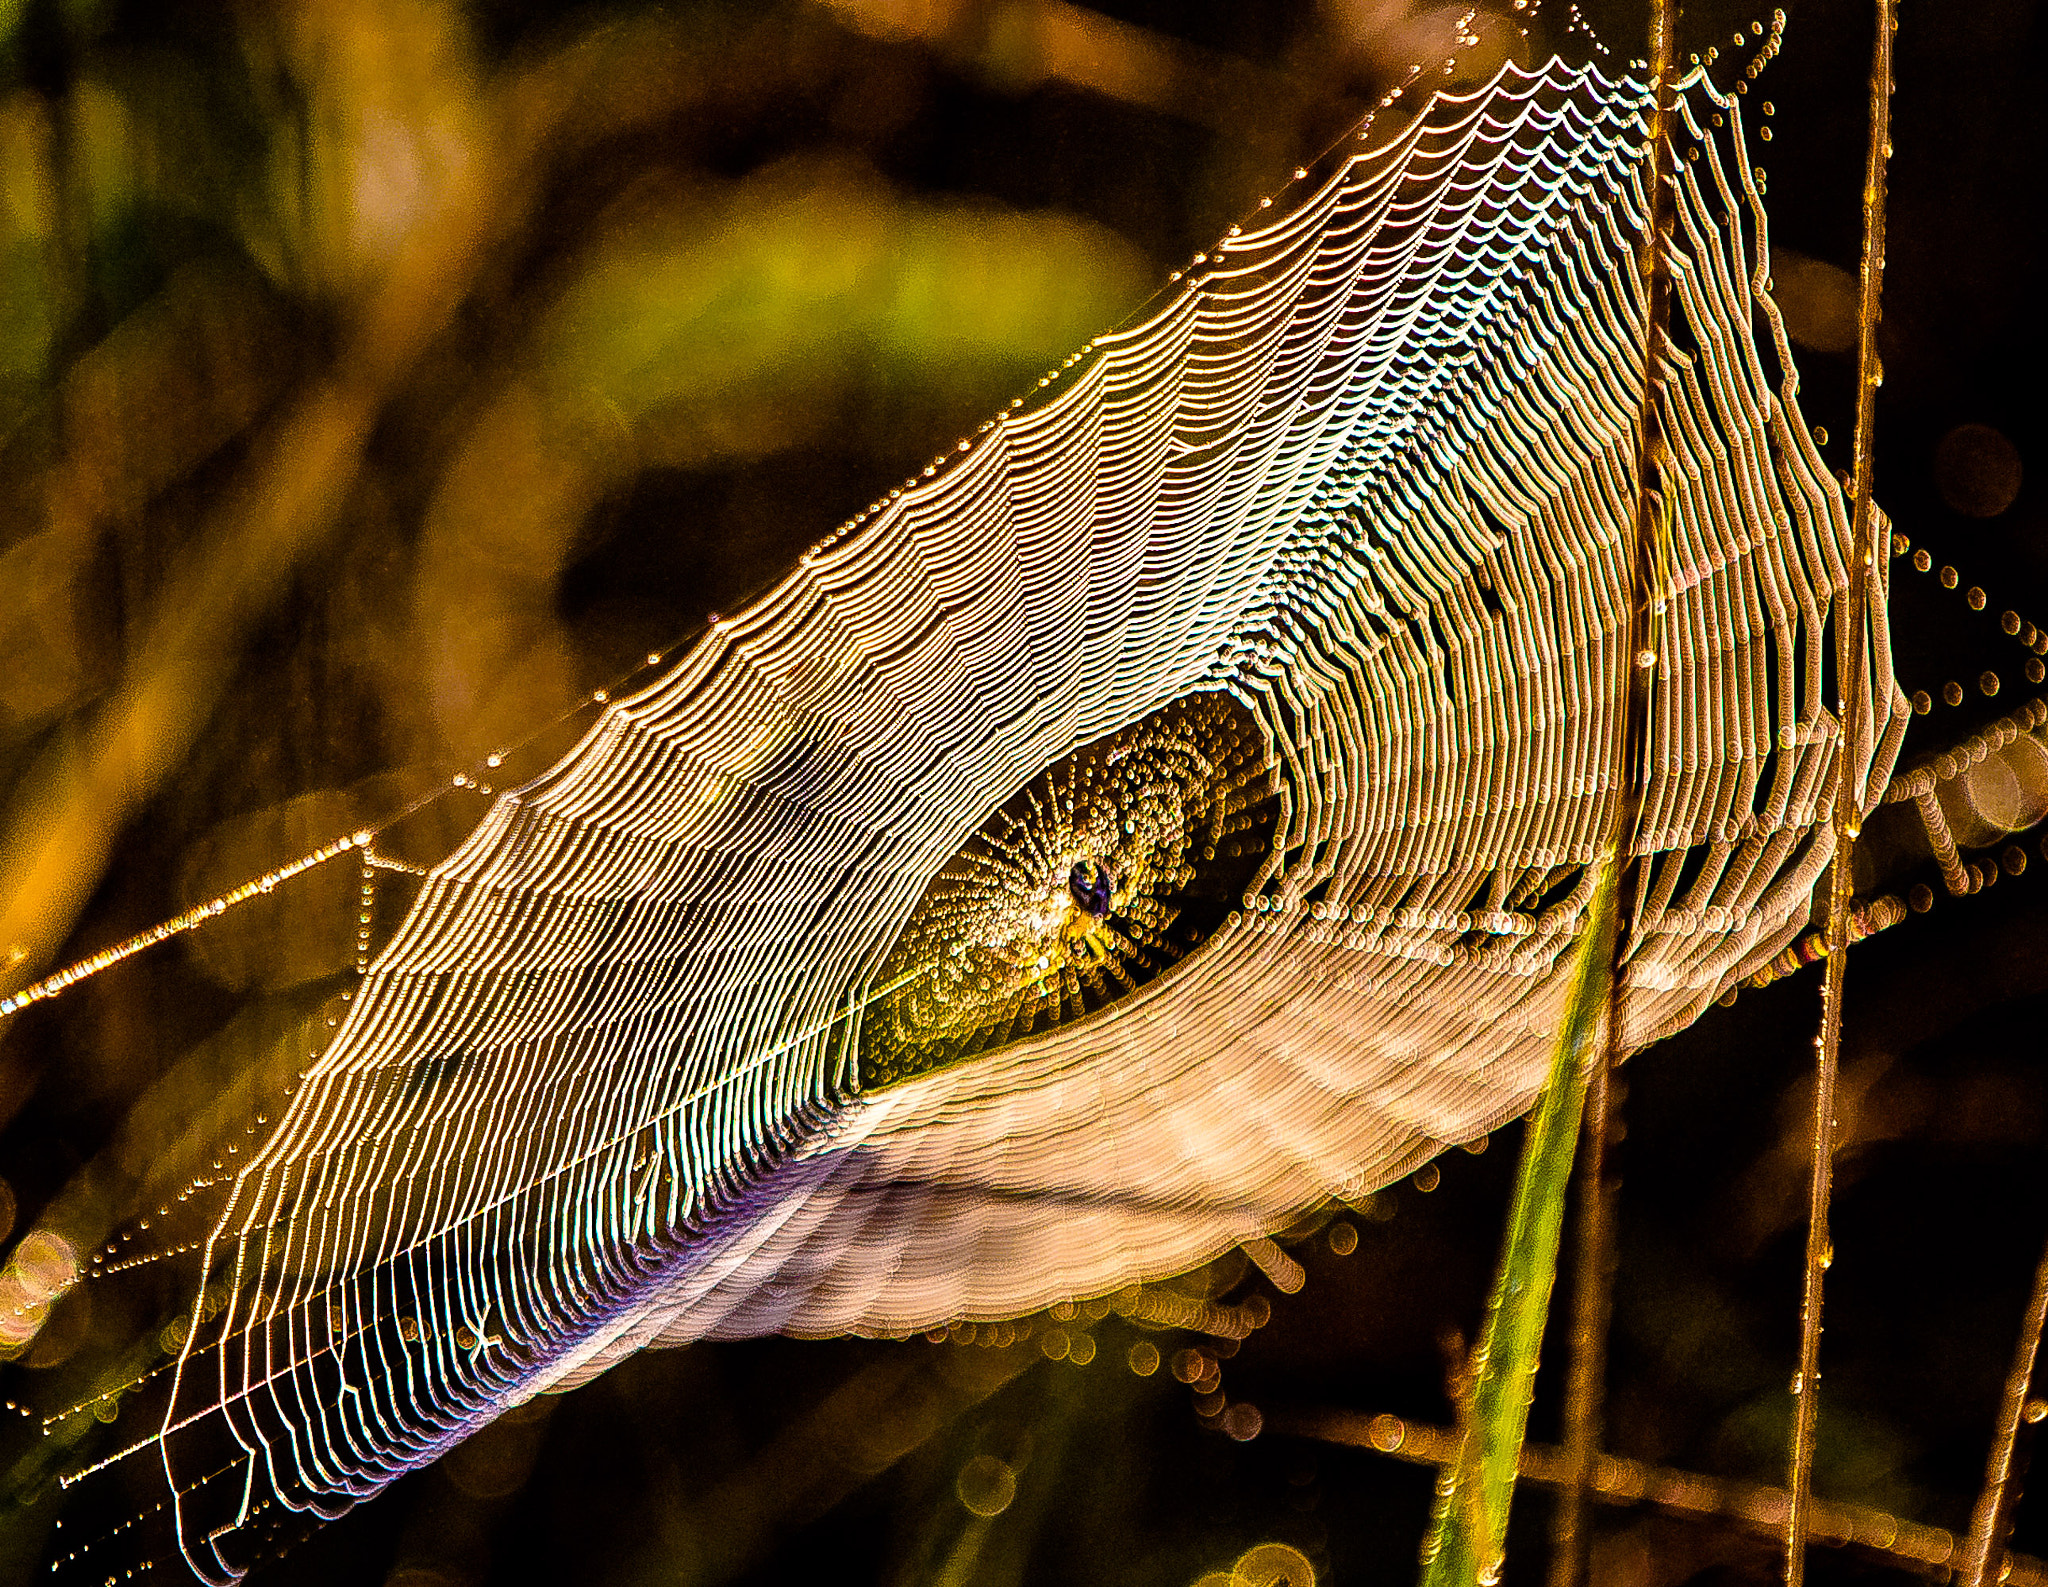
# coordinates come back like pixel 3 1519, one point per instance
pixel 1368 473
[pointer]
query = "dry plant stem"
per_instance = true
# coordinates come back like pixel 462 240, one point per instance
pixel 1992 1517
pixel 1591 1279
pixel 1927 1551
pixel 1593 1268
pixel 1849 657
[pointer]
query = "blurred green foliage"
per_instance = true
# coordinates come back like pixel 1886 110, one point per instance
pixel 292 290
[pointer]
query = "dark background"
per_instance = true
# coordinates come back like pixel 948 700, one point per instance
pixel 764 262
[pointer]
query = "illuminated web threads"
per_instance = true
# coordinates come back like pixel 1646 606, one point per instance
pixel 1086 885
pixel 1368 476
pixel 189 920
pixel 1992 784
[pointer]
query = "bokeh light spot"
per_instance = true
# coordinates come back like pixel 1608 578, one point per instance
pixel 1977 470
pixel 1272 1565
pixel 1818 301
pixel 986 1486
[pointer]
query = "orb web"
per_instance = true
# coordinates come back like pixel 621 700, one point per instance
pixel 1085 885
pixel 1365 474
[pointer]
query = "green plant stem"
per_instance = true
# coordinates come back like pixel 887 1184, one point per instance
pixel 1468 1532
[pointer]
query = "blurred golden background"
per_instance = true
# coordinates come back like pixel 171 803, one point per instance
pixel 378 378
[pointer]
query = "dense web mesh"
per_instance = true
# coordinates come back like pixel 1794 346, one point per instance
pixel 1364 478
pixel 1092 881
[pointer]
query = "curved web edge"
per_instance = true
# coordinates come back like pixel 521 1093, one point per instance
pixel 606 885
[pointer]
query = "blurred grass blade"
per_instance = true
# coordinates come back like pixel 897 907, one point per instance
pixel 1468 1530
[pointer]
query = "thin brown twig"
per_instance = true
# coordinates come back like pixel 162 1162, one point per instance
pixel 1928 1551
pixel 1992 1517
pixel 1597 1190
pixel 1591 1279
pixel 1848 816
